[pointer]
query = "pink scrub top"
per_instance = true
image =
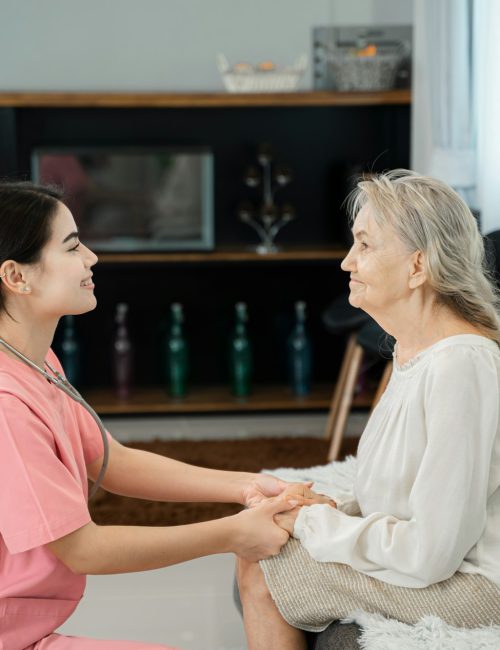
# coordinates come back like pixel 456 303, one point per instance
pixel 46 441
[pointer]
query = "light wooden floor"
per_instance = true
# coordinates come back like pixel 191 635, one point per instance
pixel 187 606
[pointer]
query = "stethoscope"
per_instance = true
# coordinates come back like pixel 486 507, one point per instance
pixel 63 384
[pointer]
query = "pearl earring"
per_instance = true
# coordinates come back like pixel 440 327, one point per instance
pixel 25 289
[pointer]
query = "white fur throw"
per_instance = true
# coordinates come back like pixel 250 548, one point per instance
pixel 430 633
pixel 379 633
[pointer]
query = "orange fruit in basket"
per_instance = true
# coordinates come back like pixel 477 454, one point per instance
pixel 369 50
pixel 266 66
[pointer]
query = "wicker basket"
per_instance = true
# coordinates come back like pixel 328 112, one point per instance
pixel 261 81
pixel 364 72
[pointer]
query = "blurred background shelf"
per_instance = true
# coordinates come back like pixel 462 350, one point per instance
pixel 201 100
pixel 229 254
pixel 210 399
pixel 326 138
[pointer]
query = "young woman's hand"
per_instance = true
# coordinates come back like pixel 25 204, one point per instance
pixel 286 520
pixel 256 535
pixel 260 487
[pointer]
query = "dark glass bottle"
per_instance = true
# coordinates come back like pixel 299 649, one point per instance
pixel 177 353
pixel 240 355
pixel 122 353
pixel 299 353
pixel 70 351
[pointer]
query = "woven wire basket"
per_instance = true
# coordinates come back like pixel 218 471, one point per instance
pixel 266 81
pixel 364 72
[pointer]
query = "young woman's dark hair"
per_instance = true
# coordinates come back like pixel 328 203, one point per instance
pixel 26 212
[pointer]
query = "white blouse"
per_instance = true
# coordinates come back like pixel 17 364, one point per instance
pixel 426 499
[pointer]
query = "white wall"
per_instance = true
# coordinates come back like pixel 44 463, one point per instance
pixel 421 132
pixel 163 45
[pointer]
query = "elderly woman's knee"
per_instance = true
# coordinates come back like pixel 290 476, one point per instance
pixel 251 581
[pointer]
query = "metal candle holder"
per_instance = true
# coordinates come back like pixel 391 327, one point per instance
pixel 268 219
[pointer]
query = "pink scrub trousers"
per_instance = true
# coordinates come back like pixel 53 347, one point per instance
pixel 59 642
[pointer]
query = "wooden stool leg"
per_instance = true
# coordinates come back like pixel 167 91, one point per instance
pixel 345 402
pixel 339 386
pixel 386 375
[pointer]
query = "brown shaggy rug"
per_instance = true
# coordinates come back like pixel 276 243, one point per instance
pixel 249 455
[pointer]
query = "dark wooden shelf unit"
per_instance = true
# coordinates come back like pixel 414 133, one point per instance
pixel 200 100
pixel 229 254
pixel 213 399
pixel 326 138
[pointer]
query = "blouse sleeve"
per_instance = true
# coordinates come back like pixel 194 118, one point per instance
pixel 347 502
pixel 448 497
pixel 41 498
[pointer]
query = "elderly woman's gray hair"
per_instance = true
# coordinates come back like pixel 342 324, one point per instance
pixel 430 216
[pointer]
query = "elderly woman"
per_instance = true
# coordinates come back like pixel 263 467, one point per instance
pixel 420 533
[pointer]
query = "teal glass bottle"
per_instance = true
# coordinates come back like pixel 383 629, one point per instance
pixel 177 353
pixel 70 351
pixel 240 354
pixel 122 357
pixel 299 353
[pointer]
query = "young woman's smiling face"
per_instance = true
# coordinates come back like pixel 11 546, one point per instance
pixel 62 282
pixel 379 265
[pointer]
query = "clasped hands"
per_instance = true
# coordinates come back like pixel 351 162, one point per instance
pixel 266 488
pixel 299 494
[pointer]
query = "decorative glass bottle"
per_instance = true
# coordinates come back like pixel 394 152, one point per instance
pixel 177 353
pixel 70 351
pixel 240 355
pixel 299 353
pixel 122 353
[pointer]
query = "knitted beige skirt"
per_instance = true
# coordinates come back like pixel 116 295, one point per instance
pixel 310 595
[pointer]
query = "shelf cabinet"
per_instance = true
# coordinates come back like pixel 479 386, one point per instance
pixel 209 287
pixel 322 136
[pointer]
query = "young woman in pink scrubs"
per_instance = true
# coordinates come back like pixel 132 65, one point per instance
pixel 50 445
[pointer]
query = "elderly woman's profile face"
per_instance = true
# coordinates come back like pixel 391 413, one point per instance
pixel 378 263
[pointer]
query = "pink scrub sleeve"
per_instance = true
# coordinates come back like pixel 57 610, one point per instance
pixel 41 493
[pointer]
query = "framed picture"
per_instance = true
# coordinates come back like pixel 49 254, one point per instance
pixel 134 199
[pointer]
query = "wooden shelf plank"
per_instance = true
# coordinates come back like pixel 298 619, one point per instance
pixel 200 100
pixel 206 399
pixel 232 254
pixel 154 400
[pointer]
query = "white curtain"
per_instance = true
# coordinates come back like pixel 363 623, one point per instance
pixel 487 107
pixel 456 99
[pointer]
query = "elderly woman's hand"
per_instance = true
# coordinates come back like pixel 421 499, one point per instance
pixel 305 496
pixel 302 495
